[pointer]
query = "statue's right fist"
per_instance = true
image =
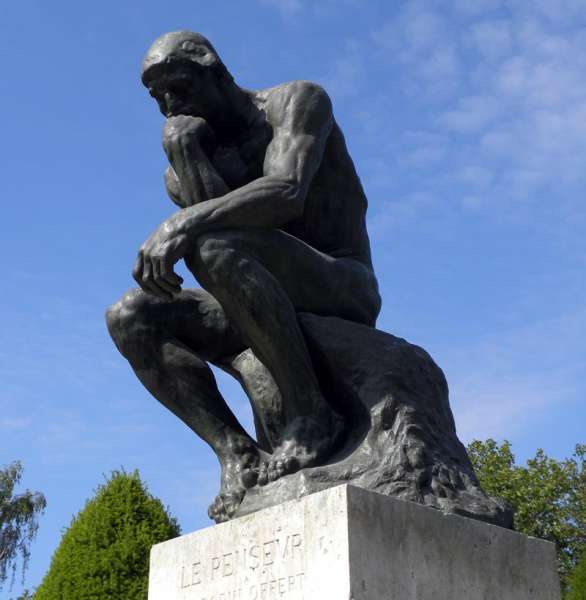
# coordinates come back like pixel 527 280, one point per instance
pixel 183 132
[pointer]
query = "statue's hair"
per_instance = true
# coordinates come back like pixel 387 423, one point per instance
pixel 185 47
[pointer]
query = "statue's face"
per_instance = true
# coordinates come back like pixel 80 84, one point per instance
pixel 185 90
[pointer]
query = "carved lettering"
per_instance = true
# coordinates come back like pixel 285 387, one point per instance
pixel 297 541
pixel 227 564
pixel 215 566
pixel 261 562
pixel 254 553
pixel 276 588
pixel 196 573
pixel 267 555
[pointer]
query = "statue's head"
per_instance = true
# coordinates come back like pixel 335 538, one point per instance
pixel 184 74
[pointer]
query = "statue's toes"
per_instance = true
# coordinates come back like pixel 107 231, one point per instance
pixel 263 475
pixel 292 464
pixel 217 511
pixel 231 503
pixel 279 469
pixel 273 470
pixel 224 506
pixel 250 478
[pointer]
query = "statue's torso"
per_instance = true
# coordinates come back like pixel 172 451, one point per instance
pixel 335 206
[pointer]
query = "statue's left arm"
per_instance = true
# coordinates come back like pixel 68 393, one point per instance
pixel 301 116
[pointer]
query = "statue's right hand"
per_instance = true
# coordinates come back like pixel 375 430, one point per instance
pixel 182 133
pixel 153 269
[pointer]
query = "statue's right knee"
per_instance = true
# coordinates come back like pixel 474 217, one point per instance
pixel 216 256
pixel 130 323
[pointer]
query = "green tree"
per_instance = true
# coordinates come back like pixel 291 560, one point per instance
pixel 104 553
pixel 26 595
pixel 577 582
pixel 549 496
pixel 18 521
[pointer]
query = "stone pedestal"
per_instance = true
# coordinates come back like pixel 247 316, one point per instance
pixel 346 543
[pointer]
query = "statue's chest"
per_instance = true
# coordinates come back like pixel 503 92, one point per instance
pixel 243 162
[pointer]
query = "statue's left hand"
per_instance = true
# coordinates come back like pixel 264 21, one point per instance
pixel 153 269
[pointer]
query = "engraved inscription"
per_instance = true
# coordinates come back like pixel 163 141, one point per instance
pixel 275 588
pixel 267 590
pixel 248 573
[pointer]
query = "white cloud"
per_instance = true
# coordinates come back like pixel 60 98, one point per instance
pixel 422 30
pixel 322 9
pixel 471 114
pixel 413 32
pixel 561 11
pixel 420 39
pixel 504 381
pixel 423 156
pixel 440 66
pixel 476 176
pixel 498 143
pixel 476 7
pixel 15 424
pixel 520 100
pixel 395 214
pixel 495 409
pixel 493 39
pixel 346 74
pixel 285 7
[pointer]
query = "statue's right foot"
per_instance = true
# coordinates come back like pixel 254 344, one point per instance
pixel 306 442
pixel 225 505
pixel 240 468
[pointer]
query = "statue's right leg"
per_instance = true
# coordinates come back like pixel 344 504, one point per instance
pixel 167 344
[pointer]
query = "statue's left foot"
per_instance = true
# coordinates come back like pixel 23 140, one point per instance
pixel 306 442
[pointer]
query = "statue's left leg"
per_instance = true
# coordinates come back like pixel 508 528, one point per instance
pixel 262 279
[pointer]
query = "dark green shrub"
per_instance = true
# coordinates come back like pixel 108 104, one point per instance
pixel 104 554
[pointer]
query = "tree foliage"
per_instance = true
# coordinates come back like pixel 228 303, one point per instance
pixel 105 551
pixel 549 496
pixel 577 581
pixel 25 595
pixel 18 521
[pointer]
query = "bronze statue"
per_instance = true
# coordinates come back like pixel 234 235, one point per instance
pixel 272 226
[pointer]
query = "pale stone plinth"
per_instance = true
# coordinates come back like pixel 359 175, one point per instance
pixel 346 543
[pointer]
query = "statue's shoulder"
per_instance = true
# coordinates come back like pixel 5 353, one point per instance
pixel 293 96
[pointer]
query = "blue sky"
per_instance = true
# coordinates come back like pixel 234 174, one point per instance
pixel 467 123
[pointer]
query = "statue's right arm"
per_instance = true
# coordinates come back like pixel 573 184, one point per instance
pixel 301 119
pixel 173 187
pixel 191 178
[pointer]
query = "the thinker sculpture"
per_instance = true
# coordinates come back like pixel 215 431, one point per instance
pixel 272 226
